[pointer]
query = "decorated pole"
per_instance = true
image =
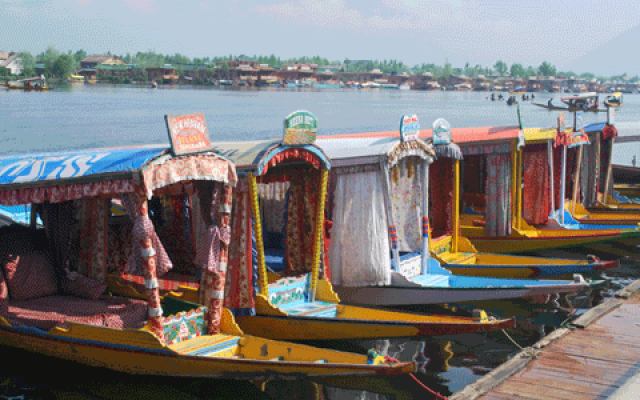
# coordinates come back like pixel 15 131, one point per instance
pixel 319 236
pixel 255 207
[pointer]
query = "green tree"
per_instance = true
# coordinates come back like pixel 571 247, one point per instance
pixel 28 63
pixel 80 55
pixel 64 65
pixel 501 67
pixel 48 58
pixel 546 69
pixel 517 70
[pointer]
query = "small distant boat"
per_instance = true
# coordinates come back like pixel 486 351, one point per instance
pixel 75 78
pixel 614 100
pixel 512 100
pixel 36 83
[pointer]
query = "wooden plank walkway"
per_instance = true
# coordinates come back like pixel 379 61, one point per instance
pixel 592 361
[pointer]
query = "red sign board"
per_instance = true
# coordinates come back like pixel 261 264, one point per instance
pixel 188 133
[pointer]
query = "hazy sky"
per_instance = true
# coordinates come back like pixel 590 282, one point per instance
pixel 412 31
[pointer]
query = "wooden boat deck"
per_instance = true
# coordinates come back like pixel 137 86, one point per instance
pixel 592 361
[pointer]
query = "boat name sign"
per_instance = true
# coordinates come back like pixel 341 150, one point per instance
pixel 409 128
pixel 300 128
pixel 188 133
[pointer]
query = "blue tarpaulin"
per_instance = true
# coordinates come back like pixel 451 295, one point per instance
pixel 38 167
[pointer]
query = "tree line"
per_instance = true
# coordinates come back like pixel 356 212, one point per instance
pixel 60 65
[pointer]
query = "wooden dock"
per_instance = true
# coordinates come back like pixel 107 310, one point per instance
pixel 599 358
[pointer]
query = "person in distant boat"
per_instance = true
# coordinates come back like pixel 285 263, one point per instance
pixel 533 96
pixel 550 102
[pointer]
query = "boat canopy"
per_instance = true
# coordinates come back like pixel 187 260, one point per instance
pixel 258 156
pixel 379 200
pixel 74 191
pixel 70 175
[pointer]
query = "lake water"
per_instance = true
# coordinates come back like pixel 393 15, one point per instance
pixel 86 116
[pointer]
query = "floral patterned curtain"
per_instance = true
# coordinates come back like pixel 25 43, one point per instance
pixel 498 209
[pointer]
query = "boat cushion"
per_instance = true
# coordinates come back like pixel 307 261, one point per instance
pixel 29 275
pixel 47 312
pixel 83 286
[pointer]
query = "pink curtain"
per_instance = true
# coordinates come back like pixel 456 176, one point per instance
pixel 145 252
pixel 536 207
pixel 498 208
pixel 131 203
pixel 212 252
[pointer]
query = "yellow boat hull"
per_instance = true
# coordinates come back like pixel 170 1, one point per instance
pixel 364 323
pixel 140 352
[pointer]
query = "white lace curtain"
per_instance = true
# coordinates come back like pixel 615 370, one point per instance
pixel 359 254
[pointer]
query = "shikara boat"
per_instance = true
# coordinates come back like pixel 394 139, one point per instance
pixel 456 253
pixel 55 298
pixel 279 200
pixel 613 100
pixel 37 83
pixel 583 165
pixel 493 161
pixel 378 187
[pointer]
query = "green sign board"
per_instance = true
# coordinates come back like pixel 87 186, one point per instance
pixel 300 128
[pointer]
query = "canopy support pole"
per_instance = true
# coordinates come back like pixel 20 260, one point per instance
pixel 393 235
pixel 319 237
pixel 426 247
pixel 255 207
pixel 552 185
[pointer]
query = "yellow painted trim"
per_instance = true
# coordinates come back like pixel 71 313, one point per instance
pixel 319 236
pixel 325 292
pixel 255 208
pixel 264 307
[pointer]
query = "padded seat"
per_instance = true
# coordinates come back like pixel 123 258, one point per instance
pixel 47 312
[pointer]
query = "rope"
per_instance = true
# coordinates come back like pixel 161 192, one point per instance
pixel 529 351
pixel 438 396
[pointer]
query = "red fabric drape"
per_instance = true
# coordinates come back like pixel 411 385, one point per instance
pixel 301 216
pixel 441 196
pixel 536 207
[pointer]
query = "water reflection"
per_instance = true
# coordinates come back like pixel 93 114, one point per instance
pixel 445 364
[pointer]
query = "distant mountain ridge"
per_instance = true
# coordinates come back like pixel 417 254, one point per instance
pixel 615 57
